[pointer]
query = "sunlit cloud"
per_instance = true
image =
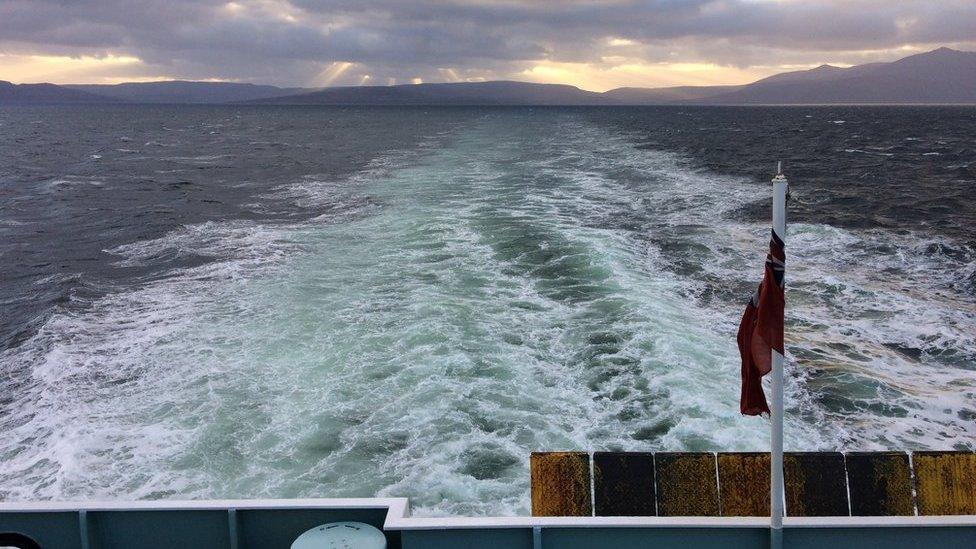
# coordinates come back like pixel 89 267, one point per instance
pixel 63 69
pixel 617 42
pixel 263 9
pixel 636 74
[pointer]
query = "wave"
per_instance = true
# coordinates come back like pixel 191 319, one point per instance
pixel 506 288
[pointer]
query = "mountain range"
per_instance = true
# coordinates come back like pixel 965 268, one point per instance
pixel 26 94
pixel 497 92
pixel 178 91
pixel 939 76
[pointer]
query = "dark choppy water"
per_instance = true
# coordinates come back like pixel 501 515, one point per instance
pixel 226 301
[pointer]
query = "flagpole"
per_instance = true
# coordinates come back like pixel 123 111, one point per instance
pixel 776 499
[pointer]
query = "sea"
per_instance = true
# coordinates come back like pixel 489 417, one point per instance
pixel 281 302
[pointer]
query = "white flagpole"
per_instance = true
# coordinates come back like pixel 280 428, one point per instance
pixel 776 498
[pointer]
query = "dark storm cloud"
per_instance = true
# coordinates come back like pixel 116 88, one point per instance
pixel 289 41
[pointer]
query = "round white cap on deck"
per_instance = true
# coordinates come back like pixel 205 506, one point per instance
pixel 341 535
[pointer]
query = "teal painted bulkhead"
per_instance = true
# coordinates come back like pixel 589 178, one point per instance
pixel 213 528
pixel 177 529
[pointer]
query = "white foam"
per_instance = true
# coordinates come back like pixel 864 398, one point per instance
pixel 424 345
pixel 69 181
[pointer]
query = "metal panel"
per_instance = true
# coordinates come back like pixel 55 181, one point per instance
pixel 880 484
pixel 51 530
pixel 480 538
pixel 880 538
pixel 686 484
pixel 656 538
pixel 560 484
pixel 158 529
pixel 945 483
pixel 816 484
pixel 623 484
pixel 743 483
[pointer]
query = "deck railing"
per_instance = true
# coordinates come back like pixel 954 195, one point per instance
pixel 722 498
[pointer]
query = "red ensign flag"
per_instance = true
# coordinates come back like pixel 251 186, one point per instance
pixel 761 330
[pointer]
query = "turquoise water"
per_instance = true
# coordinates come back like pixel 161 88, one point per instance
pixel 502 288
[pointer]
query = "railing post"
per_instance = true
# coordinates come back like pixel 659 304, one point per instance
pixel 83 529
pixel 232 528
pixel 776 499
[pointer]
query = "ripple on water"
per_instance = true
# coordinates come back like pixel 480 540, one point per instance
pixel 551 290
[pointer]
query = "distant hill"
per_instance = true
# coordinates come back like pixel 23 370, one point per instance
pixel 939 76
pixel 664 96
pixel 178 91
pixel 464 93
pixel 28 94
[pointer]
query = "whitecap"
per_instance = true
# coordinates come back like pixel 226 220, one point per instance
pixel 494 298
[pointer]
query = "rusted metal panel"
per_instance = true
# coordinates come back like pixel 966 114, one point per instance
pixel 686 484
pixel 623 484
pixel 816 484
pixel 743 483
pixel 945 482
pixel 560 484
pixel 880 484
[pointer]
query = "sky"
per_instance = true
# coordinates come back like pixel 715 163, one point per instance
pixel 594 44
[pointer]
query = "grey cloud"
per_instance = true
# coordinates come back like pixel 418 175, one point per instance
pixel 398 39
